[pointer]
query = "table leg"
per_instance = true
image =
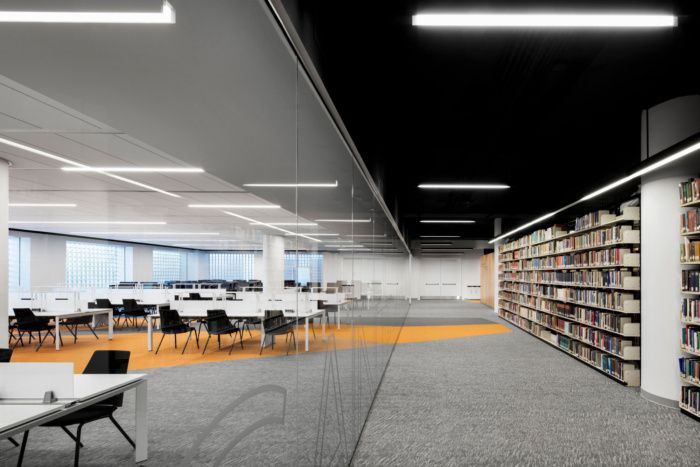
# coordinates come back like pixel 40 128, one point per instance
pixel 141 451
pixel 306 327
pixel 149 332
pixel 337 316
pixel 58 332
pixel 323 324
pixel 110 324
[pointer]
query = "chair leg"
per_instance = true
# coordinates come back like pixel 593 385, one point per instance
pixel 93 331
pixel 175 336
pixel 72 436
pixel 233 342
pixel 121 430
pixel 12 440
pixel 40 341
pixel 161 341
pixel 241 331
pixel 77 446
pixel 247 326
pixel 313 329
pixel 206 344
pixel 218 339
pixel 22 449
pixel 189 334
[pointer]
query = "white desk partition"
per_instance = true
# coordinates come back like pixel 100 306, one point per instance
pixel 32 380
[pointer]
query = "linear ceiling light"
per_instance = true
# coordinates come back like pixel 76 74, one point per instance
pixel 345 246
pixel 459 186
pixel 288 224
pixel 319 234
pixel 353 249
pixel 271 226
pixel 235 206
pixel 143 233
pixel 39 152
pixel 165 16
pixel 294 185
pixel 364 221
pixel 135 169
pixel 439 236
pixel 367 236
pixel 42 205
pixel 656 165
pixel 92 222
pixel 446 221
pixel 546 20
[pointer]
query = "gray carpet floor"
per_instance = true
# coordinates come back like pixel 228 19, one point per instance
pixel 509 399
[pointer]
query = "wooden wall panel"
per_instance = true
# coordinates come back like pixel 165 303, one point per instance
pixel 486 279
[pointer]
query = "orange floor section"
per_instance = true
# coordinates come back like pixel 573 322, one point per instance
pixel 345 338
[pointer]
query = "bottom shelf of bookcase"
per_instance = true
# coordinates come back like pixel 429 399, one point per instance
pixel 632 380
pixel 689 411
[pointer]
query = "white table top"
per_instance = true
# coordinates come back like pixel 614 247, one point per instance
pixel 87 386
pixel 66 313
pixel 12 415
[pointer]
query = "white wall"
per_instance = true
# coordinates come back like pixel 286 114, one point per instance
pixel 470 271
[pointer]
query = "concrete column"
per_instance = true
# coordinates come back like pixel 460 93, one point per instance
pixel 273 264
pixel 4 213
pixel 497 229
pixel 661 283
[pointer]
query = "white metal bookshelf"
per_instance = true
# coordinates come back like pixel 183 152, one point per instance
pixel 522 303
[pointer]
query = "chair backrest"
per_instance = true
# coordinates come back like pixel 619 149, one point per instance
pixel 130 304
pixel 5 355
pixel 103 303
pixel 25 316
pixel 169 317
pixel 109 362
pixel 273 322
pixel 195 296
pixel 217 320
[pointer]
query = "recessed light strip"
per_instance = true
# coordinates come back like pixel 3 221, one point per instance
pixel 362 221
pixel 544 20
pixel 656 165
pixel 92 222
pixel 271 226
pixel 294 185
pixel 446 221
pixel 42 205
pixel 235 206
pixel 39 152
pixel 165 16
pixel 135 169
pixel 288 224
pixel 458 186
pixel 143 233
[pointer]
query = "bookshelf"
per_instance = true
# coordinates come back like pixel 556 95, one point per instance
pixel 578 290
pixel 689 362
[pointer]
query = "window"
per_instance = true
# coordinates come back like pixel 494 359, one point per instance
pixel 169 265
pixel 94 264
pixel 230 266
pixel 303 267
pixel 18 258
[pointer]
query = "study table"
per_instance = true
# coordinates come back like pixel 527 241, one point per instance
pixel 19 415
pixel 59 315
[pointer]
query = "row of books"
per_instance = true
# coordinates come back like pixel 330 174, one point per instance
pixel 690 398
pixel 582 278
pixel 592 239
pixel 606 320
pixel 594 357
pixel 690 251
pixel 589 297
pixel 690 368
pixel 590 220
pixel 610 257
pixel 690 338
pixel 689 190
pixel 690 280
pixel 690 221
pixel 690 309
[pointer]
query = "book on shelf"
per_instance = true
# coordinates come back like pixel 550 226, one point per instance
pixel 690 310
pixel 690 398
pixel 690 221
pixel 690 368
pixel 690 280
pixel 690 338
pixel 689 190
pixel 690 251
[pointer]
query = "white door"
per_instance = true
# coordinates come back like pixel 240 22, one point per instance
pixel 430 277
pixel 450 277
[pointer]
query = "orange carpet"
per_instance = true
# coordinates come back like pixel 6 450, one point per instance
pixel 345 338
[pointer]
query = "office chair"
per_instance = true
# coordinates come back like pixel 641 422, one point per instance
pixel 28 322
pixel 171 323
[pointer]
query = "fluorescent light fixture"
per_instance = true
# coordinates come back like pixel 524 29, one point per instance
pixel 165 16
pixel 92 222
pixel 294 185
pixel 525 226
pixel 319 234
pixel 439 236
pixel 353 249
pixel 49 155
pixel 445 221
pixel 235 206
pixel 134 169
pixel 459 186
pixel 271 226
pixel 544 20
pixel 378 244
pixel 367 236
pixel 288 224
pixel 143 233
pixel 42 205
pixel 341 241
pixel 363 221
pixel 344 246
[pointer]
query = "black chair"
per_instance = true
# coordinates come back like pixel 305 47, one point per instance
pixel 134 311
pixel 217 324
pixel 28 322
pixel 117 310
pixel 72 324
pixel 171 323
pixel 195 296
pixel 276 324
pixel 101 362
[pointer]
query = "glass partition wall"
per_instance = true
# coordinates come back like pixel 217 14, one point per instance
pixel 281 229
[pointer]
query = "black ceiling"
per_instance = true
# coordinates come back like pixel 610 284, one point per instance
pixel 554 114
